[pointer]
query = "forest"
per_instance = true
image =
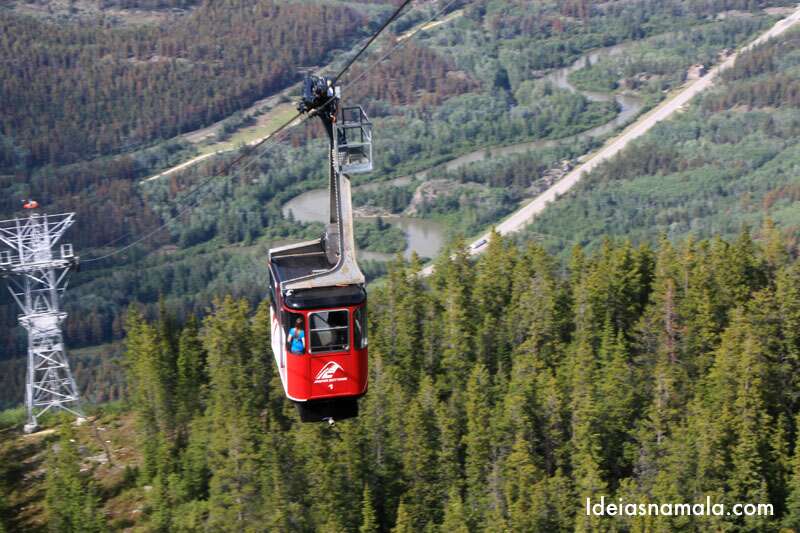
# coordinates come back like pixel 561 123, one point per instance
pixel 502 394
pixel 638 342
pixel 469 84
pixel 727 161
pixel 119 88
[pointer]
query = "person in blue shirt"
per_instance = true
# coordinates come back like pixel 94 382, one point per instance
pixel 297 337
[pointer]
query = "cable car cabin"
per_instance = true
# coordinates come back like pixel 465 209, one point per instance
pixel 317 292
pixel 327 371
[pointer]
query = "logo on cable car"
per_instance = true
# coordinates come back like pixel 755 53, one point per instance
pixel 325 375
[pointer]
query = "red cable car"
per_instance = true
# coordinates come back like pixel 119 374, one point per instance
pixel 319 283
pixel 30 204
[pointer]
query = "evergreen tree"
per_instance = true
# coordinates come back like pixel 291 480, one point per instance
pixel 150 378
pixel 478 444
pixel 454 514
pixel 403 521
pixel 586 454
pixel 369 521
pixel 791 519
pixel 451 425
pixel 71 501
pixel 260 364
pixel 617 394
pixel 456 346
pixel 521 478
pixel 423 495
pixel 491 296
pixel 233 450
pixel 748 478
pixel 191 387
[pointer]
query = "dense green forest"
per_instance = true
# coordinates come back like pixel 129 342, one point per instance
pixel 120 87
pixel 473 82
pixel 502 394
pixel 654 362
pixel 728 160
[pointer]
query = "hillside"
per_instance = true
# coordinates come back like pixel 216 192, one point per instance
pixel 728 160
pixel 502 395
pixel 120 88
pixel 452 88
pixel 638 342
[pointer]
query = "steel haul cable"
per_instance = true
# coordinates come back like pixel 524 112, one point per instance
pixel 194 191
pixel 273 136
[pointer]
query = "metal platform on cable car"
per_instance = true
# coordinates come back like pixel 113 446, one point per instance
pixel 293 261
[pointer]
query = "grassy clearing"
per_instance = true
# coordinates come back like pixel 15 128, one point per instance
pixel 23 460
pixel 265 125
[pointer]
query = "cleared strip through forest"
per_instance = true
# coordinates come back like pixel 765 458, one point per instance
pixel 285 93
pixel 526 213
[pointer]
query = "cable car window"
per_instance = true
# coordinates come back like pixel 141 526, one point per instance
pixel 329 331
pixel 360 325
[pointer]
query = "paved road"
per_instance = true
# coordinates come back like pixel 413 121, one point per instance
pixel 522 217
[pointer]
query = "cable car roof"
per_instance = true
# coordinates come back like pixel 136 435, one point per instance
pixel 326 297
pixel 299 260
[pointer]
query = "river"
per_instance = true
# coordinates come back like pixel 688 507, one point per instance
pixel 426 237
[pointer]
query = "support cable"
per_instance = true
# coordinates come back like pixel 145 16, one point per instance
pixel 274 135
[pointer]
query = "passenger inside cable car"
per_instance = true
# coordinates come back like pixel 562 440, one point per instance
pixel 296 336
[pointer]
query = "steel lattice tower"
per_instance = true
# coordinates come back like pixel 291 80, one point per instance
pixel 37 275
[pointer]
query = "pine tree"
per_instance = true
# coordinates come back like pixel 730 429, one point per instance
pixel 149 377
pixel 775 252
pixel 403 521
pixel 451 425
pixel 233 450
pixel 788 297
pixel 521 478
pixel 617 394
pixel 779 465
pixel 71 501
pixel 194 461
pixel 390 295
pixel 456 346
pixel 491 296
pixel 536 314
pixel 713 414
pixel 260 364
pixel 380 410
pixel 3 511
pixel 423 496
pixel 552 500
pixel 369 521
pixel 409 297
pixel 454 514
pixel 586 455
pixel 791 517
pixel 478 444
pixel 283 484
pixel 748 478
pixel 191 387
